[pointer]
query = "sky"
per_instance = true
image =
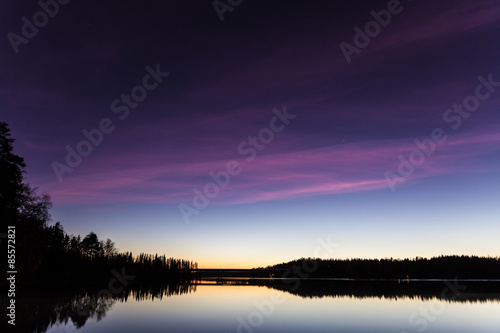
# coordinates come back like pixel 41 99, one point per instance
pixel 248 133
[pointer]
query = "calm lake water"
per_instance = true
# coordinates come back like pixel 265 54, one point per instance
pixel 312 306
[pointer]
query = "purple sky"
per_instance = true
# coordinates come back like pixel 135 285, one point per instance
pixel 323 173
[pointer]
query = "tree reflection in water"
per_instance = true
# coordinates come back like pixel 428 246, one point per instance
pixel 467 291
pixel 41 310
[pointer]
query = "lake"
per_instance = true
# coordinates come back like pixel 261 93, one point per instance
pixel 274 306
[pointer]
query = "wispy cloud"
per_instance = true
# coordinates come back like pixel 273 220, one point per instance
pixel 342 168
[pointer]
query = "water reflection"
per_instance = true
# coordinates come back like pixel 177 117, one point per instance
pixel 82 308
pixel 450 291
pixel 41 311
pixel 445 290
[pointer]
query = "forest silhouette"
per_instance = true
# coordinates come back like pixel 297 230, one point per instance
pixel 442 267
pixel 48 256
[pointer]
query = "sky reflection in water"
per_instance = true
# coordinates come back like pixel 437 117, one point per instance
pixel 235 309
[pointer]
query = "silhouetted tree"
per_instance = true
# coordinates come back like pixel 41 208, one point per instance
pixel 91 245
pixel 11 177
pixel 109 248
pixel 22 207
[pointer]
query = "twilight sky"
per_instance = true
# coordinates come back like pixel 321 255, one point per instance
pixel 386 141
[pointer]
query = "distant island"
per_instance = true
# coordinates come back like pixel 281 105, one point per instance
pixel 442 267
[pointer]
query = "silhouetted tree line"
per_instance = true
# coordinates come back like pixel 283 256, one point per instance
pixel 69 259
pixel 442 267
pixel 47 254
pixel 151 268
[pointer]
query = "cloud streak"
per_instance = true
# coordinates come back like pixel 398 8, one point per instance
pixel 343 168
